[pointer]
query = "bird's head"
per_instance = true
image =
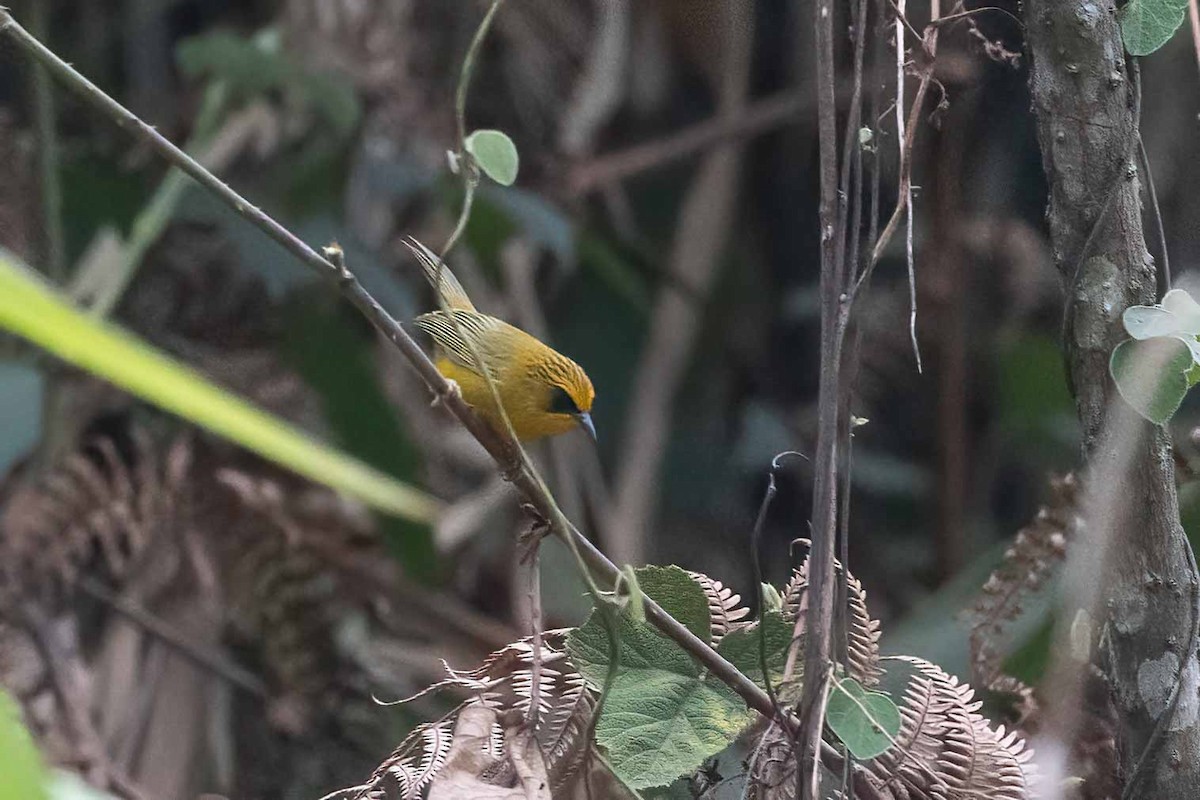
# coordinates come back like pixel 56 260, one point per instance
pixel 570 395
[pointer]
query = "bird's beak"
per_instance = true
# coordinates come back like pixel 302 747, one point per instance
pixel 585 422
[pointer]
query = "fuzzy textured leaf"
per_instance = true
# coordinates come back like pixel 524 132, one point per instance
pixel 1147 322
pixel 866 722
pixel 664 714
pixel 680 594
pixel 496 155
pixel 1152 375
pixel 1146 25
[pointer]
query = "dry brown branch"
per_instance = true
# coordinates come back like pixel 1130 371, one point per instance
pixel 756 118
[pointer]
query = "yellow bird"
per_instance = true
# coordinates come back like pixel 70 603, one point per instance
pixel 544 392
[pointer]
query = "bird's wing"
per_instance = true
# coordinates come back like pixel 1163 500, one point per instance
pixel 440 277
pixel 480 329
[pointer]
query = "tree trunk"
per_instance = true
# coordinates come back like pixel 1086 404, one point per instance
pixel 1086 100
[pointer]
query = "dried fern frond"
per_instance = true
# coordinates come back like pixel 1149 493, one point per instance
pixel 504 682
pixel 724 607
pixel 97 506
pixel 947 749
pixel 411 766
pixel 1036 550
pixel 862 632
pixel 283 597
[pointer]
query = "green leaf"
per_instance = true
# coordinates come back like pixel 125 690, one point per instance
pixel 740 647
pixel 32 310
pixel 1193 375
pixel 771 599
pixel 1177 315
pixel 20 763
pixel 1152 375
pixel 246 64
pixel 496 155
pixel 679 595
pixel 661 718
pixel 252 66
pixel 1147 322
pixel 1146 25
pixel 664 714
pixel 866 722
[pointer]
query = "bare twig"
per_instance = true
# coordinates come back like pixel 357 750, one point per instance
pixel 197 655
pixel 818 622
pixel 533 590
pixel 64 669
pixel 462 160
pixel 755 119
pixel 46 120
pixel 849 228
pixel 907 136
pixel 492 441
pixel 1164 267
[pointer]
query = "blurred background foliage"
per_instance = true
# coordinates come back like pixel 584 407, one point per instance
pixel 683 276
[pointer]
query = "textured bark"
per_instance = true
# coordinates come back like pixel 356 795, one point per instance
pixel 1085 101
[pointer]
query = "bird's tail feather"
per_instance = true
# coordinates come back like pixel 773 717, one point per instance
pixel 440 277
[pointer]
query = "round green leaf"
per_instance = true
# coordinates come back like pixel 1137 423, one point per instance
pixel 1146 322
pixel 866 722
pixel 496 155
pixel 1185 308
pixel 1152 375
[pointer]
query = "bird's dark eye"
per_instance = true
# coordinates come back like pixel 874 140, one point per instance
pixel 561 402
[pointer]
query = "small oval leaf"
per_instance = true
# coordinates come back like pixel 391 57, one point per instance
pixel 866 722
pixel 1146 322
pixel 1185 308
pixel 496 155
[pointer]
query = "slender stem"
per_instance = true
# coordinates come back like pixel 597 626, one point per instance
pixel 818 623
pixel 156 627
pixel 128 121
pixel 757 118
pixel 55 431
pixel 533 595
pixel 46 121
pixel 523 479
pixel 465 163
pixel 468 68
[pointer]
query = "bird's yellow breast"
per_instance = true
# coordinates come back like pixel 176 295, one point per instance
pixel 523 396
